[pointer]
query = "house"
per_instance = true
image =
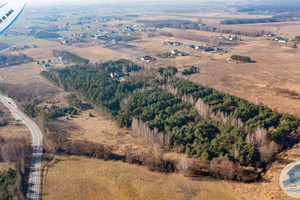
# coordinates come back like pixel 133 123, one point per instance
pixel 169 43
pixel 114 75
pixel 175 51
pixel 282 40
pixel 199 47
pixel 114 41
pixel 207 49
pixel 229 38
pixel 146 58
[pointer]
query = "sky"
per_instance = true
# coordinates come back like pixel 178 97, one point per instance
pixel 86 2
pixel 72 2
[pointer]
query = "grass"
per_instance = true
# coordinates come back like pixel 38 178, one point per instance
pixel 13 40
pixel 13 129
pixel 6 166
pixel 42 43
pixel 84 178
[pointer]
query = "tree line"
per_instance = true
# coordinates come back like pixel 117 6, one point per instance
pixel 9 60
pixel 13 184
pixel 281 128
pixel 250 21
pixel 185 24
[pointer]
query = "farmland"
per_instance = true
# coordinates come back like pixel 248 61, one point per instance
pixel 124 110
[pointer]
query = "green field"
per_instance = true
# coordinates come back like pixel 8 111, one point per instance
pixel 41 43
pixel 13 40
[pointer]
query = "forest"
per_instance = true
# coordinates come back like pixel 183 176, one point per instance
pixel 185 116
pixel 13 183
pixel 281 128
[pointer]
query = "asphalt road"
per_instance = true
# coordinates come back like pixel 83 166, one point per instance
pixel 16 45
pixel 34 182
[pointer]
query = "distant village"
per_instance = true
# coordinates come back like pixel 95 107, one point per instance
pixel 192 46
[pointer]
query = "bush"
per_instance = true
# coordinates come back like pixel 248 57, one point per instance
pixel 241 58
pixel 190 70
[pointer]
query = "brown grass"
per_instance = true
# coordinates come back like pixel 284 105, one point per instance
pixel 5 166
pixel 83 178
pixel 13 129
pixel 269 187
pixel 101 129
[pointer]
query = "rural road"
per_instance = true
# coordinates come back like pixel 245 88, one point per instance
pixel 16 44
pixel 33 192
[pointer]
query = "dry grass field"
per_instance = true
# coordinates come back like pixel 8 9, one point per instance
pixel 20 74
pixel 269 187
pixel 5 166
pixel 115 180
pixel 13 129
pixel 101 129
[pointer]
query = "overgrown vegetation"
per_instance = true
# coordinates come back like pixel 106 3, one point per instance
pixel 10 60
pixel 53 112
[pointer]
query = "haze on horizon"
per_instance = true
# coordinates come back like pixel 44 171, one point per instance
pixel 35 3
pixel 88 2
